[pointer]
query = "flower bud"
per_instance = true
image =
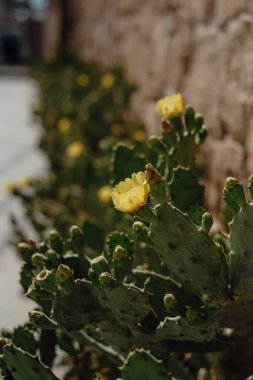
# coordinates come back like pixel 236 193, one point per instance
pixel 25 251
pixel 63 273
pixel 119 253
pixel 55 241
pixel 47 280
pixel 106 280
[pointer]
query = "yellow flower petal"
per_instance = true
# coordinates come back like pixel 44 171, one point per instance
pixel 139 135
pixel 104 193
pixel 131 194
pixel 107 80
pixel 9 187
pixel 170 106
pixel 64 125
pixel 83 80
pixel 76 149
pixel 25 181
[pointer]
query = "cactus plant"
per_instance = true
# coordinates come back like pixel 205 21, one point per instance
pixel 23 366
pixel 158 297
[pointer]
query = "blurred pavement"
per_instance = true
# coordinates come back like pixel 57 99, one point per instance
pixel 19 158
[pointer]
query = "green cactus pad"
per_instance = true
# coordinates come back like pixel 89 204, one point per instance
pixel 157 286
pixel 115 335
pixel 191 256
pixel 23 337
pixel 241 258
pixel 184 190
pixel 41 320
pixel 76 238
pixel 75 310
pixel 141 364
pixel 118 301
pixel 93 235
pixel 179 328
pixel 24 366
pixel 185 151
pixel 126 160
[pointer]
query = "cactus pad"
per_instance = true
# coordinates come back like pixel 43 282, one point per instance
pixel 24 366
pixel 74 310
pixel 179 328
pixel 192 257
pixel 141 364
pixel 126 160
pixel 241 241
pixel 184 190
pixel 118 299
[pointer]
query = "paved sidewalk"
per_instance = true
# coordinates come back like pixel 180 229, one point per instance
pixel 19 158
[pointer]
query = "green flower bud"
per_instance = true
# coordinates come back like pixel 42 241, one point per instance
pixel 47 280
pixel 38 260
pixel 99 265
pixel 170 302
pixel 106 280
pixel 138 226
pixel 53 257
pixel 119 253
pixel 63 273
pixel 75 231
pixel 77 238
pixel 25 251
pixel 207 221
pixel 235 190
pixel 55 241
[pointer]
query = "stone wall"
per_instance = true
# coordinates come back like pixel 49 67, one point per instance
pixel 51 30
pixel 202 48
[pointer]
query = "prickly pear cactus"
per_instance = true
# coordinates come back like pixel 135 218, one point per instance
pixel 190 255
pixel 159 297
pixel 141 364
pixel 23 366
pixel 238 310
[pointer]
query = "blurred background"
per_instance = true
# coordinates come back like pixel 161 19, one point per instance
pixel 201 48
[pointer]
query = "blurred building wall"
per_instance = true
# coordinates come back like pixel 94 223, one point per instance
pixel 202 48
pixel 51 30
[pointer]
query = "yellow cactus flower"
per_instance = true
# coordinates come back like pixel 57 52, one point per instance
pixel 83 80
pixel 25 181
pixel 131 194
pixel 139 135
pixel 9 187
pixel 107 80
pixel 76 149
pixel 170 106
pixel 104 194
pixel 64 125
